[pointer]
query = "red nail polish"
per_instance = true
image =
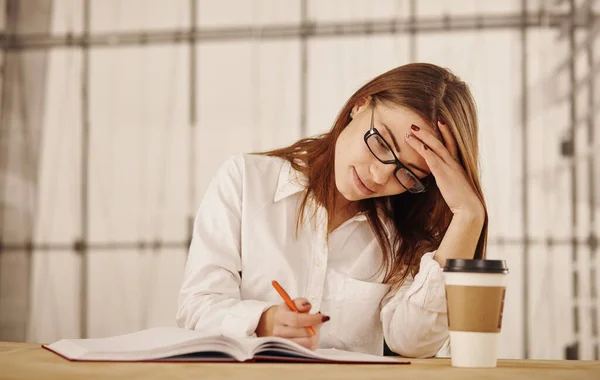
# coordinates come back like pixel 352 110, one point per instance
pixel 325 318
pixel 306 303
pixel 441 121
pixel 414 128
pixel 425 146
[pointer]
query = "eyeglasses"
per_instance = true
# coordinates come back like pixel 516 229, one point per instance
pixel 384 153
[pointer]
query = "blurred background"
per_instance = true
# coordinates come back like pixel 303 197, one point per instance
pixel 114 115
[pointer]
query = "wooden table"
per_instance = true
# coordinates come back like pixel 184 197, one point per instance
pixel 30 361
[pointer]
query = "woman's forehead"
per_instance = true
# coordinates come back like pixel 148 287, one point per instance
pixel 401 117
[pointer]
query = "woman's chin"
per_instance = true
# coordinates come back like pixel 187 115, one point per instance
pixel 343 194
pixel 350 195
pixel 347 191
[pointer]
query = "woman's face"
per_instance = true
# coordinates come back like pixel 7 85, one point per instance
pixel 358 174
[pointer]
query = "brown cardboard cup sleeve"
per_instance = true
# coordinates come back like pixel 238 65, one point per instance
pixel 475 308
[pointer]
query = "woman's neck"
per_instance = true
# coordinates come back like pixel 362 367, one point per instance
pixel 343 210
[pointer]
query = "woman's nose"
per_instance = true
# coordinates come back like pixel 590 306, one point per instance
pixel 381 173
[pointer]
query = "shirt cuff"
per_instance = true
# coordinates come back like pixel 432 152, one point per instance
pixel 242 319
pixel 427 290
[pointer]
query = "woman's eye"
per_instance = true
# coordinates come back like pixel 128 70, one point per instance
pixel 387 136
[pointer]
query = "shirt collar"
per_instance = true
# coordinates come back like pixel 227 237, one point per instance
pixel 292 181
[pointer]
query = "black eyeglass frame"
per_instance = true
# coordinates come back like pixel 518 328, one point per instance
pixel 419 187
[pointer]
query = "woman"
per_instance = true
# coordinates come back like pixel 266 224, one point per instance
pixel 359 221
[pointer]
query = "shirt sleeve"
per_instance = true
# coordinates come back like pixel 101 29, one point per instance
pixel 209 299
pixel 414 318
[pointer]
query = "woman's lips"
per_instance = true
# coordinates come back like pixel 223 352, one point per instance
pixel 360 184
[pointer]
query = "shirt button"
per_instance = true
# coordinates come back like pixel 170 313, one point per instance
pixel 320 263
pixel 313 299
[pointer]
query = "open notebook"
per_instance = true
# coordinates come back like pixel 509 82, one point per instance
pixel 176 344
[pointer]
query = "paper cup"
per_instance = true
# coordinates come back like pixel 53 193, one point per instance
pixel 475 291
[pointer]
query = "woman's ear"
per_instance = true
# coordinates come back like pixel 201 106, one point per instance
pixel 360 106
pixel 354 111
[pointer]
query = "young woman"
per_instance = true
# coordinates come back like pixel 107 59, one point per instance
pixel 357 223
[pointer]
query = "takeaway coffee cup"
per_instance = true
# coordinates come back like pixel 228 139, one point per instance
pixel 475 292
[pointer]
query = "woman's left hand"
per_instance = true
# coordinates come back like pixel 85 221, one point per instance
pixel 443 161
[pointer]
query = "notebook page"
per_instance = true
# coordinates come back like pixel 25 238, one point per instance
pixel 146 345
pixel 273 345
pixel 348 356
pixel 146 340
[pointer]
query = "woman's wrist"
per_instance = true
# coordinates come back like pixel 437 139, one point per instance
pixel 470 220
pixel 461 238
pixel 471 215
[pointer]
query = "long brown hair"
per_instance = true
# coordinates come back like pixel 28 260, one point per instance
pixel 406 225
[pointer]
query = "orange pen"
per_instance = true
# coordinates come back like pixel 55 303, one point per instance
pixel 289 302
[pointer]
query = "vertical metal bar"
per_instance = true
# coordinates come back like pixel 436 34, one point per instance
pixel 4 125
pixel 85 159
pixel 591 179
pixel 3 114
pixel 524 184
pixel 193 116
pixel 412 34
pixel 303 68
pixel 573 167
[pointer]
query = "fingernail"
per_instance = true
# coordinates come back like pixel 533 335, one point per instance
pixel 441 121
pixel 407 135
pixel 425 146
pixel 306 303
pixel 414 128
pixel 325 318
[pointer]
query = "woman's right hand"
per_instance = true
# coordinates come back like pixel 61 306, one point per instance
pixel 281 321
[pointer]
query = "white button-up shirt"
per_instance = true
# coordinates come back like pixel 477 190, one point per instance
pixel 245 236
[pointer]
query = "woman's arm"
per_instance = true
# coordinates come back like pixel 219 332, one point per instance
pixel 468 211
pixel 414 318
pixel 209 298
